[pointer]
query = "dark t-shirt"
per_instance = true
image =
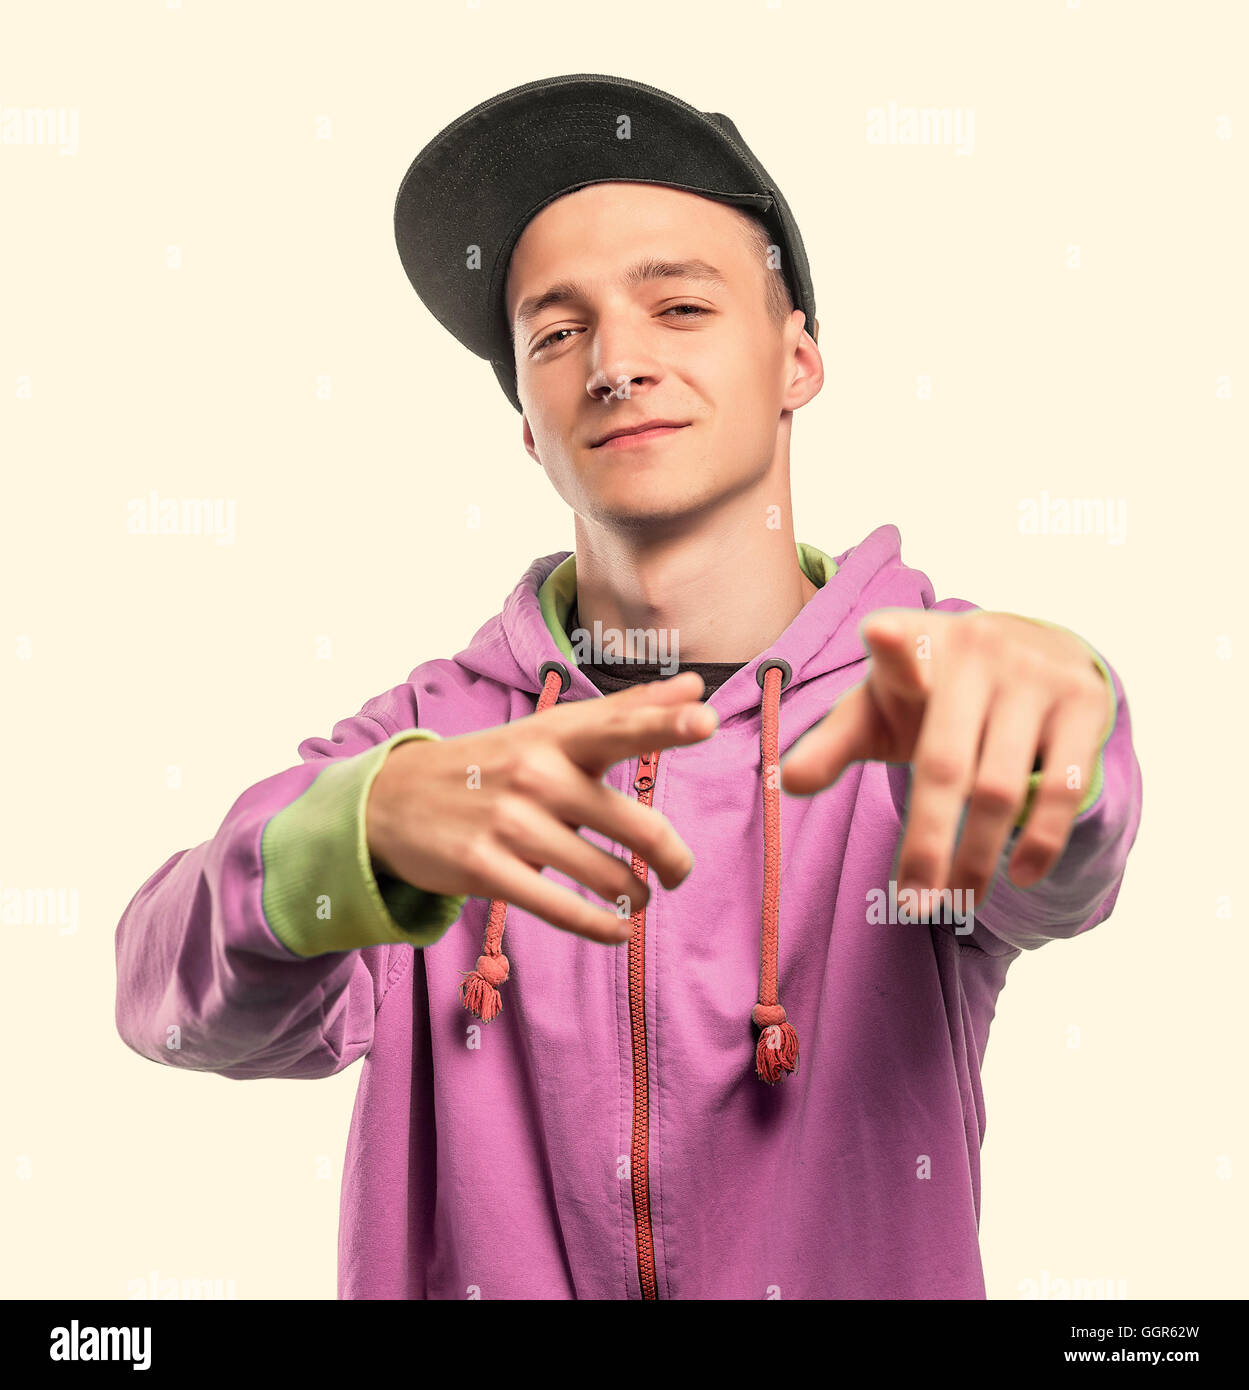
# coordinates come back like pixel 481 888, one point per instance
pixel 619 675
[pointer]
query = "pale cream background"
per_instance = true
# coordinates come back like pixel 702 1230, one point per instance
pixel 1095 125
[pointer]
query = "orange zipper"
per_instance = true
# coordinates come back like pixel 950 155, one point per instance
pixel 644 785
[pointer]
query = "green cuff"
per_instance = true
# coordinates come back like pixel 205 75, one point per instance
pixel 1095 782
pixel 320 893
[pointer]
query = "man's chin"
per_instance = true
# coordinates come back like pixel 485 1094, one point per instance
pixel 653 515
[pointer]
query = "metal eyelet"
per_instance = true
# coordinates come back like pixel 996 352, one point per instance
pixel 765 666
pixel 564 678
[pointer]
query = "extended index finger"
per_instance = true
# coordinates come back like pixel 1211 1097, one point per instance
pixel 667 713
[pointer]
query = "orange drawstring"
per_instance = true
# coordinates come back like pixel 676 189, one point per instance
pixel 776 1054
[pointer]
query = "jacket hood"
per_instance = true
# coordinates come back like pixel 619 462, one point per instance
pixel 526 647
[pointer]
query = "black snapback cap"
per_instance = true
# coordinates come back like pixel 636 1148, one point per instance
pixel 482 179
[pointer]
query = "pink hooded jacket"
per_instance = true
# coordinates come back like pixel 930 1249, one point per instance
pixel 609 1134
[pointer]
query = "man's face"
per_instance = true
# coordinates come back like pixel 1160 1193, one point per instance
pixel 616 351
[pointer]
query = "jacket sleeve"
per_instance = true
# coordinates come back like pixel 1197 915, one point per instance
pixel 266 950
pixel 1080 891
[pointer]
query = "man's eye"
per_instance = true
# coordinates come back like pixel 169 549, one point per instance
pixel 693 308
pixel 537 347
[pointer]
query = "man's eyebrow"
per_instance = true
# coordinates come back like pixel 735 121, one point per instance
pixel 651 269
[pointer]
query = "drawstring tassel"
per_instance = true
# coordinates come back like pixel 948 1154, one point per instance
pixel 777 1052
pixel 479 992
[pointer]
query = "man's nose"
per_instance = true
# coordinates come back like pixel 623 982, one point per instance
pixel 620 360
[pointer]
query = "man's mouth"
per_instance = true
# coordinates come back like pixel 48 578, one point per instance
pixel 645 432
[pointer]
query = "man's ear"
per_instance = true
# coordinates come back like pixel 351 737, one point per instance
pixel 808 378
pixel 526 438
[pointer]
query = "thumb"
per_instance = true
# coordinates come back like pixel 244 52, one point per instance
pixel 853 731
pixel 845 735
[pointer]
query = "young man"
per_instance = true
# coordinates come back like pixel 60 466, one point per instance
pixel 639 286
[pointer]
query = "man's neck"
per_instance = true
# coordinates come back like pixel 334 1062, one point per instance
pixel 720 593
